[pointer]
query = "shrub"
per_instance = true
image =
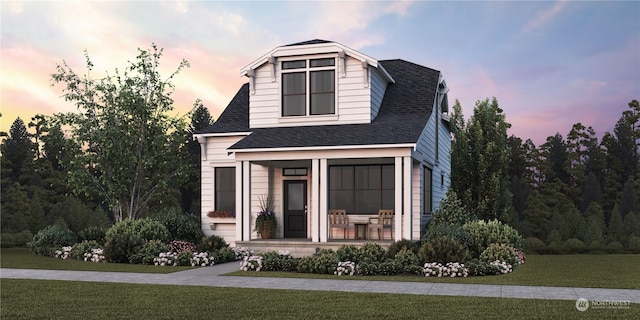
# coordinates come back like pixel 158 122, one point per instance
pixel 324 261
pixel 211 243
pixel 398 246
pixel 451 269
pixel 477 267
pixel 184 258
pixel 408 260
pixel 372 251
pixel 251 263
pixel 575 246
pixel 368 268
pixel 79 249
pixel 443 249
pixel 202 259
pixel 51 238
pixel 345 268
pixel 615 247
pixel 390 267
pixel 180 246
pixel 500 252
pixel 278 261
pixel 93 233
pixel 149 251
pixel 485 233
pixel 533 244
pixel 147 229
pixel 634 244
pixel 184 227
pixel 227 254
pixel 8 240
pixel 96 255
pixel 64 253
pixel 452 231
pixel 348 253
pixel 241 252
pixel 120 247
pixel 166 259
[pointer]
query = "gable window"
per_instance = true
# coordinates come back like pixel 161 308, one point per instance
pixel 362 189
pixel 308 87
pixel 225 188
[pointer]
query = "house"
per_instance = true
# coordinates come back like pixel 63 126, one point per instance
pixel 320 126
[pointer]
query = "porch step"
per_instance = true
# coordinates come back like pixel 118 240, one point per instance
pixel 303 247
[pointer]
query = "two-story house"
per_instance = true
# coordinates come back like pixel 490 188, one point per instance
pixel 320 126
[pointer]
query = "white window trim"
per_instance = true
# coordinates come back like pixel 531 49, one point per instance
pixel 308 116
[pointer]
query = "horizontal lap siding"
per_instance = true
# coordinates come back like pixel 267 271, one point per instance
pixel 217 156
pixel 354 97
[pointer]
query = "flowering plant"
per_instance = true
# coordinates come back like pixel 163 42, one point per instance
pixel 64 253
pixel 503 266
pixel 266 223
pixel 346 268
pixel 96 255
pixel 242 252
pixel 252 263
pixel 451 269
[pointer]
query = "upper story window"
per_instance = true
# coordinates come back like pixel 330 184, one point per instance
pixel 316 98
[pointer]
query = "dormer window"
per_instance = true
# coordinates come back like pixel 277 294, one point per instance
pixel 319 95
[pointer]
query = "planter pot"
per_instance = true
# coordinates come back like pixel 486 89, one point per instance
pixel 265 234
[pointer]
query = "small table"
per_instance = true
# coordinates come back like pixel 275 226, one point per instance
pixel 360 231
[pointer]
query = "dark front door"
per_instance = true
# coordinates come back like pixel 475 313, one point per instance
pixel 295 209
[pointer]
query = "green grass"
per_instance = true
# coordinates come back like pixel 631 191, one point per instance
pixel 21 258
pixel 40 299
pixel 589 271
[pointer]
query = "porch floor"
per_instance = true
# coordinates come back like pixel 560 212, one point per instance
pixel 303 247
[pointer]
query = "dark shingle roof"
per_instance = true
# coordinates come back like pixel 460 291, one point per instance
pixel 404 112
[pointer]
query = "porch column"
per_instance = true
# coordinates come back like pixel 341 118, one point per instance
pixel 323 200
pixel 398 199
pixel 240 220
pixel 246 203
pixel 408 209
pixel 315 200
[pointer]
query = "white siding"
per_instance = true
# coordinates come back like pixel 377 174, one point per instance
pixel 355 98
pixel 217 156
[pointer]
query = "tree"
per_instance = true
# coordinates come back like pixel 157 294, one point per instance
pixel 596 226
pixel 200 119
pixel 127 145
pixel 536 216
pixel 615 230
pixel 17 154
pixel 480 161
pixel 15 203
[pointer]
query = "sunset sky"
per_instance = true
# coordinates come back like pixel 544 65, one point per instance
pixel 549 64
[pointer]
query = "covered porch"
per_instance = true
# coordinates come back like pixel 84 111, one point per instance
pixel 303 185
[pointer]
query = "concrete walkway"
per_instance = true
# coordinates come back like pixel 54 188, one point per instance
pixel 211 276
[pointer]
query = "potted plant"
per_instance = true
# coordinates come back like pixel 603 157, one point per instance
pixel 266 223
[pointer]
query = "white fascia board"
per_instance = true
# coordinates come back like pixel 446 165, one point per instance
pixel 322 148
pixel 222 134
pixel 320 48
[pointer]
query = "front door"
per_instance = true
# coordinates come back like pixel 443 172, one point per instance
pixel 295 209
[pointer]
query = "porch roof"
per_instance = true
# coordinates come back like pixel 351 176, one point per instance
pixel 404 112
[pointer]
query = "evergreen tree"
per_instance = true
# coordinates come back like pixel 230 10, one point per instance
pixel 17 154
pixel 536 216
pixel 615 230
pixel 15 203
pixel 628 198
pixel 480 161
pixel 596 226
pixel 591 191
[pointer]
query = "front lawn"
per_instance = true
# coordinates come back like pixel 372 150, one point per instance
pixel 40 299
pixel 589 271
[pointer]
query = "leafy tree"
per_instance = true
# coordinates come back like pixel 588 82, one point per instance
pixel 480 161
pixel 127 145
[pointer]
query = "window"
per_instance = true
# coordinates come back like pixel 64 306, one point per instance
pixel 225 188
pixel 362 189
pixel 427 191
pixel 320 93
pixel 294 171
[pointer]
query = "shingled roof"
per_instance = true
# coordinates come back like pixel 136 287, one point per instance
pixel 404 112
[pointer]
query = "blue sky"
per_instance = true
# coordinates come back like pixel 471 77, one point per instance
pixel 550 64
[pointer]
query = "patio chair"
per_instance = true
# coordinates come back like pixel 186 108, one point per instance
pixel 338 219
pixel 382 221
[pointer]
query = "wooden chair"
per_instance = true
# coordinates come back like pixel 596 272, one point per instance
pixel 338 219
pixel 383 220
